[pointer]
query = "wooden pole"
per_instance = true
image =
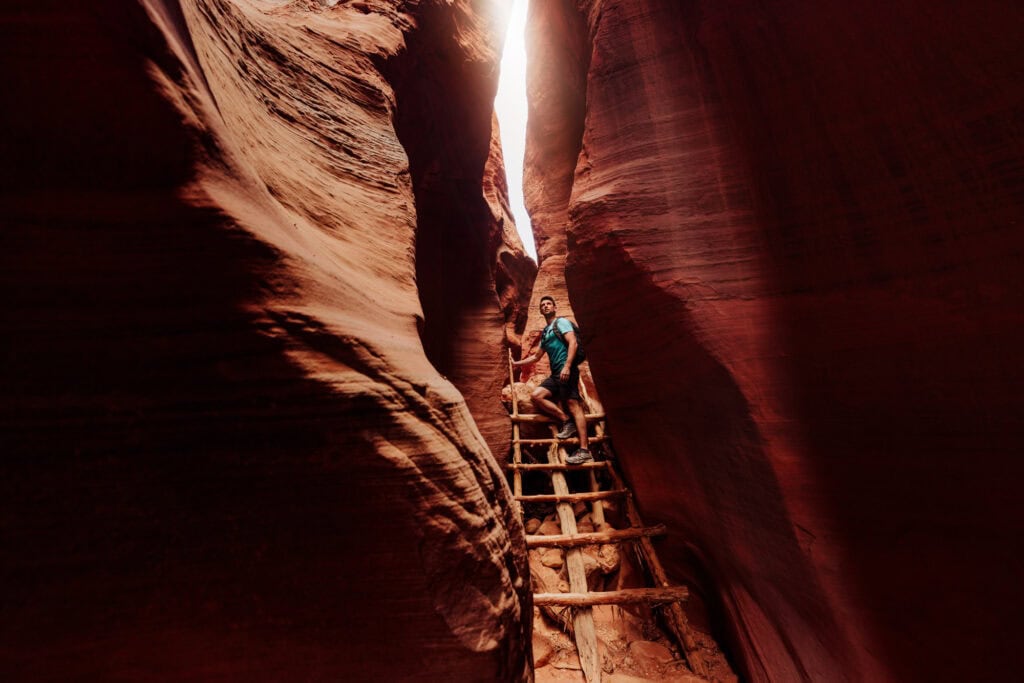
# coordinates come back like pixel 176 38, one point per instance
pixel 583 618
pixel 517 452
pixel 597 507
pixel 569 442
pixel 648 596
pixel 596 538
pixel 543 419
pixel 571 497
pixel 675 616
pixel 546 466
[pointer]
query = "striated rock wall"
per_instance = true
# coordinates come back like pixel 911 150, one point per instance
pixel 229 450
pixel 557 51
pixel 794 234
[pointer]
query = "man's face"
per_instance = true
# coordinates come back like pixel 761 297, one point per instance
pixel 547 306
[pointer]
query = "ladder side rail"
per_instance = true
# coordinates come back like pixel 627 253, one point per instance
pixel 675 616
pixel 517 453
pixel 583 617
pixel 596 507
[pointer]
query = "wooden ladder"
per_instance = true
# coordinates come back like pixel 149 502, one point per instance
pixel 579 597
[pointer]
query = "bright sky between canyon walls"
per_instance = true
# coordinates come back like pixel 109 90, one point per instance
pixel 510 105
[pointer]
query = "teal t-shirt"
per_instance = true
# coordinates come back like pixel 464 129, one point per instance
pixel 556 349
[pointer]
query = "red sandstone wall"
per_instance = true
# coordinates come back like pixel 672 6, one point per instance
pixel 794 231
pixel 228 450
pixel 556 92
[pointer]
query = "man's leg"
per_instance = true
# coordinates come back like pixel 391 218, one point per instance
pixel 581 421
pixel 541 398
pixel 575 403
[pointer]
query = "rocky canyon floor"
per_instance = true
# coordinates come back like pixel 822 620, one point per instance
pixel 634 647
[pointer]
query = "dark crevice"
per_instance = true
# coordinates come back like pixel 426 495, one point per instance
pixel 443 120
pixel 717 446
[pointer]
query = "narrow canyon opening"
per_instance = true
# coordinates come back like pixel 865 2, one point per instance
pixel 511 108
pixel 261 284
pixel 645 641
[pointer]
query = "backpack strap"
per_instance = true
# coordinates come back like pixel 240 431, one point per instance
pixel 558 332
pixel 580 353
pixel 561 336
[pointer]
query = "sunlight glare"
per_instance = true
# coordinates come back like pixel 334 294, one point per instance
pixel 510 105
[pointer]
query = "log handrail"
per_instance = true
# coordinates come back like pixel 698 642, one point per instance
pixel 546 466
pixel 544 419
pixel 570 441
pixel 572 497
pixel 650 596
pixel 594 538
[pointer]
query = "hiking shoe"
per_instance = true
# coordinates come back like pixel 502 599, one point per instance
pixel 568 430
pixel 581 456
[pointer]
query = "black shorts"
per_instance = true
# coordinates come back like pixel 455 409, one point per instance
pixel 561 392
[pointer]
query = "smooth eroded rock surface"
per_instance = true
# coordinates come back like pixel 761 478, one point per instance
pixel 794 232
pixel 230 450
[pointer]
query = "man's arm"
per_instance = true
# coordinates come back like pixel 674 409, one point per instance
pixel 529 360
pixel 570 341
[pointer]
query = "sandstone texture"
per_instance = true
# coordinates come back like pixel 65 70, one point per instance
pixel 258 269
pixel 632 644
pixel 794 233
pixel 557 49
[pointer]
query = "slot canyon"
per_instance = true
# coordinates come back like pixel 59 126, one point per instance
pixel 262 278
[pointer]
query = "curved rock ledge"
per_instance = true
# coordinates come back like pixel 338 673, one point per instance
pixel 793 233
pixel 230 450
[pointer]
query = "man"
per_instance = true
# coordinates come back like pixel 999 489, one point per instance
pixel 564 382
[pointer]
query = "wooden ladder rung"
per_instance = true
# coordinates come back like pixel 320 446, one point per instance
pixel 573 440
pixel 571 497
pixel 650 596
pixel 598 465
pixel 536 417
pixel 597 537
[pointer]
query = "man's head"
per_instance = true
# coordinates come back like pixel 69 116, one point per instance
pixel 547 305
